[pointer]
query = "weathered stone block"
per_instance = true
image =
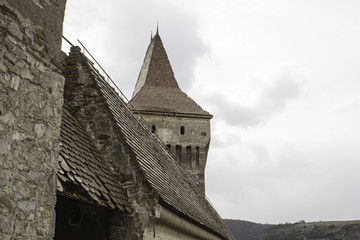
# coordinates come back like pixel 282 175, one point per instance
pixel 5 144
pixel 2 179
pixel 39 129
pixel 36 176
pixel 15 82
pixel 15 30
pixel 27 205
pixel 5 204
pixel 7 225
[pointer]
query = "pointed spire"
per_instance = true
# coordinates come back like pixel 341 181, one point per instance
pixel 156 69
pixel 157 89
pixel 151 37
pixel 157 28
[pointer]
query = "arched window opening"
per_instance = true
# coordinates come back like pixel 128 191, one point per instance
pixel 182 130
pixel 153 128
pixel 168 147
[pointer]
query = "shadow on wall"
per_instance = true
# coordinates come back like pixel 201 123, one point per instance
pixel 79 221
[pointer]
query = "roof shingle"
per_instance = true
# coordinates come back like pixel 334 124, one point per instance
pixel 80 163
pixel 160 169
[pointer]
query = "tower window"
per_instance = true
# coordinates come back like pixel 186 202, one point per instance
pixel 153 128
pixel 182 130
pixel 178 152
pixel 188 156
pixel 197 157
pixel 168 147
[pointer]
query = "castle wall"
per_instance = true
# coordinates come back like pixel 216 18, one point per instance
pixel 188 138
pixel 31 89
pixel 170 226
pixel 85 100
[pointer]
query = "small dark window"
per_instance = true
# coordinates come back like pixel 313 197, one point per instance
pixel 188 156
pixel 197 157
pixel 168 147
pixel 153 128
pixel 178 152
pixel 75 216
pixel 182 130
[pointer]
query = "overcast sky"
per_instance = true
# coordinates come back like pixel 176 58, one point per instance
pixel 282 79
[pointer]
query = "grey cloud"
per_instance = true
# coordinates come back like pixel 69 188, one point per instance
pixel 261 152
pixel 120 33
pixel 273 99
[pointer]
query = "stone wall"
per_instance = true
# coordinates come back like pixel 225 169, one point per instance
pixel 31 89
pixel 84 99
pixel 188 138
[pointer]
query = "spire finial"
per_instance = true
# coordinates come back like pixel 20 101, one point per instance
pixel 151 37
pixel 157 28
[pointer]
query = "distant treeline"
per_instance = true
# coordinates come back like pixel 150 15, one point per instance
pixel 341 230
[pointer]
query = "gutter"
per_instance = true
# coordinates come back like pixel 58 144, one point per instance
pixel 179 224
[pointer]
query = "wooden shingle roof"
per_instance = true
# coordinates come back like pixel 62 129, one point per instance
pixel 174 187
pixel 81 164
pixel 157 90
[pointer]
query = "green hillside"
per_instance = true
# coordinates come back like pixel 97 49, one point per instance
pixel 336 230
pixel 244 230
pixel 341 230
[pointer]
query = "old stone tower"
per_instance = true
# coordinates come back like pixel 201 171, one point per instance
pixel 178 120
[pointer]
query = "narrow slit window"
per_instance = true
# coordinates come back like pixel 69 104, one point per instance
pixel 178 152
pixel 197 157
pixel 153 128
pixel 182 130
pixel 188 156
pixel 168 147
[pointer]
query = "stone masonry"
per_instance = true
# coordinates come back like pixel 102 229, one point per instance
pixel 84 99
pixel 31 90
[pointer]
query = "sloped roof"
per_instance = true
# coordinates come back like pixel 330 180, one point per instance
pixel 80 163
pixel 162 172
pixel 157 89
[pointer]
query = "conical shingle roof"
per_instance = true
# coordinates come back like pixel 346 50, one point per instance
pixel 157 89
